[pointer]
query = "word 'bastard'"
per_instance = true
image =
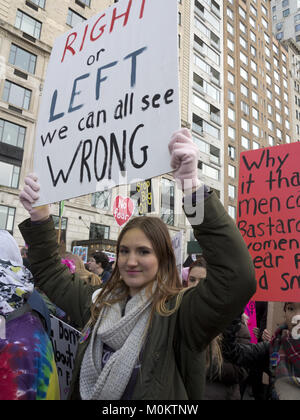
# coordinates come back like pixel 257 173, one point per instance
pixel 268 219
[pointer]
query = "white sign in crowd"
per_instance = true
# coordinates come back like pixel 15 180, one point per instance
pixel 110 101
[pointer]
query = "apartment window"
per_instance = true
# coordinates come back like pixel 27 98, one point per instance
pixel 245 125
pixel 39 3
pixel 231 191
pixel 101 200
pixel 245 142
pixel 210 172
pixel 255 113
pixel 253 51
pixel 244 90
pixel 243 58
pixel 242 12
pixel 7 218
pixel 230 44
pixel 243 28
pixel 12 134
pixel 255 130
pixel 232 211
pixel 252 36
pixel 254 96
pixel 99 231
pixel 167 201
pixel 231 133
pixel 16 95
pixel 74 19
pixel 252 22
pixel 231 171
pixel 285 12
pixel 271 140
pixel 230 78
pixel 22 59
pixel 229 13
pixel 231 152
pixel 243 73
pixel 255 145
pixel 28 24
pixel 9 175
pixel 231 96
pixel 88 2
pixel 231 114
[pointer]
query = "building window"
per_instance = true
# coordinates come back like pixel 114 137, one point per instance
pixel 232 191
pixel 101 200
pixel 74 18
pixel 16 95
pixel 39 3
pixel 7 218
pixel 28 25
pixel 9 175
pixel 22 59
pixel 231 171
pixel 167 201
pixel 99 231
pixel 12 134
pixel 85 2
pixel 232 211
pixel 231 152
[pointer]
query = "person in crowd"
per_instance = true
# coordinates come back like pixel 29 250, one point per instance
pixel 280 357
pixel 145 336
pixel 197 271
pixel 78 266
pixel 24 257
pixel 223 379
pixel 99 264
pixel 27 365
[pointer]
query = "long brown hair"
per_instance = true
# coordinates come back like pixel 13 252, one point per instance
pixel 168 281
pixel 85 275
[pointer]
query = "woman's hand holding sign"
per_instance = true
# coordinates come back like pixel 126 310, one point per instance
pixel 184 160
pixel 29 195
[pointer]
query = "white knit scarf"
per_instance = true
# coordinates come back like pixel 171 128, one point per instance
pixel 125 335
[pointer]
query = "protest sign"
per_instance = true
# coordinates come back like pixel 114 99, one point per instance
pixel 122 209
pixel 110 101
pixel 81 251
pixel 64 340
pixel 268 219
pixel 142 192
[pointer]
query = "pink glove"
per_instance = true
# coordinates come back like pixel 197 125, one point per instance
pixel 29 195
pixel 184 159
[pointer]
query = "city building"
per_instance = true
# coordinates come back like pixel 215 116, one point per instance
pixel 286 19
pixel 257 97
pixel 28 29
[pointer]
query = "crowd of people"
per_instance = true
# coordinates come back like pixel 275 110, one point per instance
pixel 147 333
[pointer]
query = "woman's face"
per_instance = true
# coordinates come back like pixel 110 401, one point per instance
pixel 196 274
pixel 137 262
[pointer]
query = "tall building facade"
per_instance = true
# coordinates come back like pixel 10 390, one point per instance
pixel 28 29
pixel 286 19
pixel 256 89
pixel 206 90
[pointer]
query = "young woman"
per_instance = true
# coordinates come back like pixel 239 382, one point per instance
pixel 197 272
pixel 144 337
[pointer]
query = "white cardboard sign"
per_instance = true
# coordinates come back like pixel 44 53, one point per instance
pixel 110 101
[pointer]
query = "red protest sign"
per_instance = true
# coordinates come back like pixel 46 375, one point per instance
pixel 122 209
pixel 269 219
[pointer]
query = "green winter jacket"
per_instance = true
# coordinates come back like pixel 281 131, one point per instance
pixel 173 358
